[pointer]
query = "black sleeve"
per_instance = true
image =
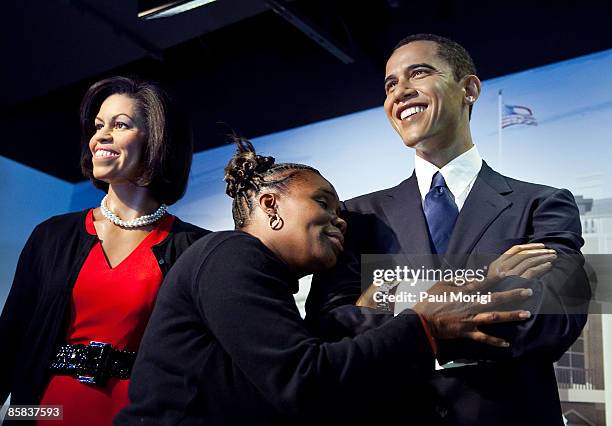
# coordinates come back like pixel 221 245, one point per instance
pixel 243 294
pixel 18 309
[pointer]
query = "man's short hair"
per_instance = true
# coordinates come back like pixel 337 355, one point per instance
pixel 452 52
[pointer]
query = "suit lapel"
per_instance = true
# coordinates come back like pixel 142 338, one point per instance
pixel 484 203
pixel 405 213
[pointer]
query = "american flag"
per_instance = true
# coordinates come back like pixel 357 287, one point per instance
pixel 516 114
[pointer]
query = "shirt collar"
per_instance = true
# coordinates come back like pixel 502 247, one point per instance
pixel 458 174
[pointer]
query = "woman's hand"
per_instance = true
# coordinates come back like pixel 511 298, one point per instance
pixel 460 319
pixel 449 319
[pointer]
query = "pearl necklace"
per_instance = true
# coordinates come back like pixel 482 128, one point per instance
pixel 138 222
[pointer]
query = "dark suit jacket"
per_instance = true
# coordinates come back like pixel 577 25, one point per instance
pixel 517 385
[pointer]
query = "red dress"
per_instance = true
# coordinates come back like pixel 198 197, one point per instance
pixel 110 305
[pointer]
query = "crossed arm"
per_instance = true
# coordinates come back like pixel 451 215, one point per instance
pixel 559 303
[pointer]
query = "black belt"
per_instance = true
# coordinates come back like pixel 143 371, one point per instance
pixel 93 363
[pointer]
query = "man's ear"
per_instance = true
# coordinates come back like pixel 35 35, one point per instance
pixel 268 202
pixel 471 86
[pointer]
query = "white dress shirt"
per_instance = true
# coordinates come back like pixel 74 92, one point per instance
pixel 459 174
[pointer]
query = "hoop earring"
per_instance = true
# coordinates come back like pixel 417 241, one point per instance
pixel 276 222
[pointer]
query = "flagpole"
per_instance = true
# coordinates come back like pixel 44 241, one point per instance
pixel 499 131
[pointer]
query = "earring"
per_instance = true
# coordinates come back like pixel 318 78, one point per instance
pixel 470 99
pixel 276 222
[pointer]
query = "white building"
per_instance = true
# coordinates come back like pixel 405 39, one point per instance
pixel 584 373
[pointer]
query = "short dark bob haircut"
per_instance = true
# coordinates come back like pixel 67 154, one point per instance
pixel 169 148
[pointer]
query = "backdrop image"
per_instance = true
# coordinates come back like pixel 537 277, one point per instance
pixel 550 125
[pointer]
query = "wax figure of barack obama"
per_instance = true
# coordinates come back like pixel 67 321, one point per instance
pixel 454 203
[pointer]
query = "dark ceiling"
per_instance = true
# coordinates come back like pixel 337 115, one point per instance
pixel 239 64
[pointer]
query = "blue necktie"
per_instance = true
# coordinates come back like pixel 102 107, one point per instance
pixel 441 213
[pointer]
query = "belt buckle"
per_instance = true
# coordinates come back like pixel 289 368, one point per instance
pixel 95 370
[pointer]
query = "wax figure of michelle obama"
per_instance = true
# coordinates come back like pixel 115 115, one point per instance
pixel 94 275
pixel 455 205
pixel 226 344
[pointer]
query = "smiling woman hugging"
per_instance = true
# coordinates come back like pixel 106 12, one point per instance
pixel 226 344
pixel 86 282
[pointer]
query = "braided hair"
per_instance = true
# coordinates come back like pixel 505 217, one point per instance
pixel 248 173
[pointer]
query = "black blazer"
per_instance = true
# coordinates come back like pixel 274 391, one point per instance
pixel 226 345
pixel 519 386
pixel 34 316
